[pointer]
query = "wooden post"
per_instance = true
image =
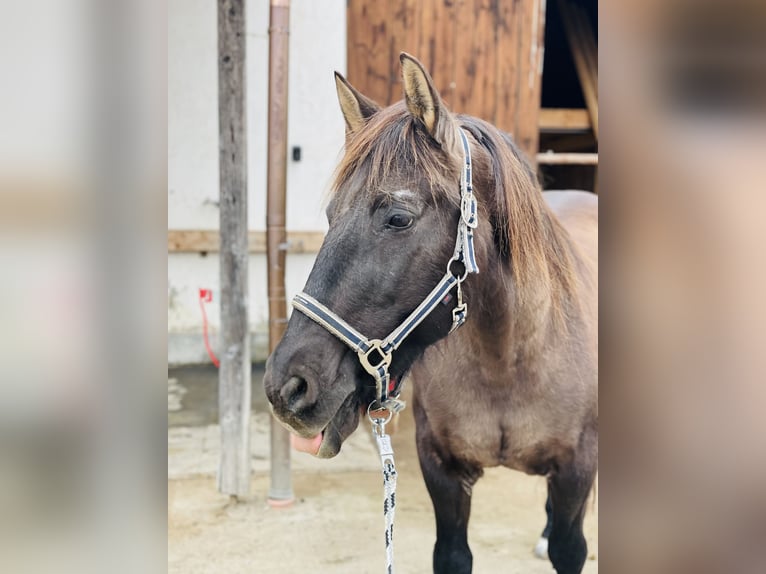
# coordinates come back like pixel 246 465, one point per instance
pixel 280 490
pixel 234 375
pixel 585 53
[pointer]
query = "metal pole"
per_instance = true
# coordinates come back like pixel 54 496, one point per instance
pixel 280 490
pixel 234 375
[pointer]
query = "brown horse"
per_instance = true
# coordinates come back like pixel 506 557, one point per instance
pixel 516 385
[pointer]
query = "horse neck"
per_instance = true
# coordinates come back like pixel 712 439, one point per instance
pixel 502 324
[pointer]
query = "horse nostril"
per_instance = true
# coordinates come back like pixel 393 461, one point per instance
pixel 294 393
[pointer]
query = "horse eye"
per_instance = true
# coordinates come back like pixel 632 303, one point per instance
pixel 400 221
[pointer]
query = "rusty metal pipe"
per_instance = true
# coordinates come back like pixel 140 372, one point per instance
pixel 280 489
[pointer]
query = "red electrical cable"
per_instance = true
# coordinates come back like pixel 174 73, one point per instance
pixel 207 295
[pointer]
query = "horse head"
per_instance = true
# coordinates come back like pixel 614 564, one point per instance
pixel 392 218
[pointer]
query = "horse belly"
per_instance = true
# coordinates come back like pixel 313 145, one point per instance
pixel 535 447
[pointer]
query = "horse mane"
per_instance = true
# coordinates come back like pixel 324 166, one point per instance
pixel 526 233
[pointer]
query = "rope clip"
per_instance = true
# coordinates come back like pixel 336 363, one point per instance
pixel 378 422
pixel 383 440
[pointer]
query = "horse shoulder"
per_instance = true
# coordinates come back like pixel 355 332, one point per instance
pixel 578 213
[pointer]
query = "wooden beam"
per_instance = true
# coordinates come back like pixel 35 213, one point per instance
pixel 208 241
pixel 564 119
pixel 550 158
pixel 569 142
pixel 528 52
pixel 234 373
pixel 585 53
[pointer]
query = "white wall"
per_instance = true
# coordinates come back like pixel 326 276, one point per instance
pixel 317 47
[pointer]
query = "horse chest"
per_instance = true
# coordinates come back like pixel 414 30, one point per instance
pixel 484 427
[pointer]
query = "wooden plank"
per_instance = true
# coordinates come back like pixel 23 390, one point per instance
pixel 531 37
pixel 568 142
pixel 379 31
pixel 409 16
pixel 465 70
pixel 208 241
pixel 582 43
pixel 436 48
pixel 485 56
pixel 234 372
pixel 371 33
pixel 563 119
pixel 475 59
pixel 485 42
pixel 403 36
pixel 550 158
pixel 587 40
pixel 507 68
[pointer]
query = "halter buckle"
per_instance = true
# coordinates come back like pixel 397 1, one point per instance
pixel 468 211
pixel 364 357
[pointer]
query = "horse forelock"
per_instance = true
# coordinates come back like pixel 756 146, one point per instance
pixel 393 145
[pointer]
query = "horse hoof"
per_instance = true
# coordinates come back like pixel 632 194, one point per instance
pixel 541 549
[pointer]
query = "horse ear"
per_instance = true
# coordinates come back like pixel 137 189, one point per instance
pixel 356 108
pixel 424 101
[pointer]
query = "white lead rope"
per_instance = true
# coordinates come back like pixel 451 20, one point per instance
pixel 389 485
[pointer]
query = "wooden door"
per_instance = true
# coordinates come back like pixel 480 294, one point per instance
pixel 485 56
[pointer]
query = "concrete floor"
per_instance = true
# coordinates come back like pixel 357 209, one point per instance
pixel 199 391
pixel 335 524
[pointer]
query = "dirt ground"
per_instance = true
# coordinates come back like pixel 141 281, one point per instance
pixel 336 522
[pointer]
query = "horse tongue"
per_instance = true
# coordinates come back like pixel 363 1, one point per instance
pixel 309 445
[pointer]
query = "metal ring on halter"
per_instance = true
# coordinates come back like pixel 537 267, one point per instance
pixel 377 421
pixel 468 209
pixel 465 273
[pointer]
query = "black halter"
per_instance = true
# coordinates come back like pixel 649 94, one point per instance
pixel 375 355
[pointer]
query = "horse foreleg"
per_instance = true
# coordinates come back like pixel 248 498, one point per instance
pixel 568 490
pixel 451 499
pixel 541 548
pixel 450 491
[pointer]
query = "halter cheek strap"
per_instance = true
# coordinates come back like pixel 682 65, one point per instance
pixel 469 217
pixel 375 355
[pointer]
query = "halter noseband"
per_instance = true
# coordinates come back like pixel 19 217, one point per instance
pixel 375 355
